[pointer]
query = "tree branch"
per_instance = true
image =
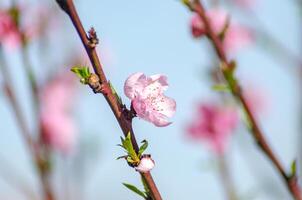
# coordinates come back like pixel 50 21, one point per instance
pixel 115 105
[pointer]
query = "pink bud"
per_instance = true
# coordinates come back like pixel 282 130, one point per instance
pixel 10 36
pixel 146 164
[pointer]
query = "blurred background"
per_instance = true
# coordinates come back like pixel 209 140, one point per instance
pixel 150 37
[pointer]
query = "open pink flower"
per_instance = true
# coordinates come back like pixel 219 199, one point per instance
pixel 148 99
pixel 235 37
pixel 213 125
pixel 9 34
pixel 58 128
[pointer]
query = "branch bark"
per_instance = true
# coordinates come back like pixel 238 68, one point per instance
pixel 116 107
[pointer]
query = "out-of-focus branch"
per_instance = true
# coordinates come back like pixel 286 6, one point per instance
pixel 116 107
pixel 226 178
pixel 226 69
pixel 7 81
pixel 25 131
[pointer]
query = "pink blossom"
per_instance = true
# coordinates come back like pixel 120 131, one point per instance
pixel 214 124
pixel 235 36
pixel 9 34
pixel 217 18
pixel 148 99
pixel 146 164
pixel 58 128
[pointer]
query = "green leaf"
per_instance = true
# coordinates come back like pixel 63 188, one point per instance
pixel 130 149
pixel 142 148
pixel 294 168
pixel 82 72
pixel 221 88
pixel 186 2
pixel 120 157
pixel 127 145
pixel 135 190
pixel 228 72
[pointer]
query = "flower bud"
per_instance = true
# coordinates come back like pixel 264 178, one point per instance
pixel 146 164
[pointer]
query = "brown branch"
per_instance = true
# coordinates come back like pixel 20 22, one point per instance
pixel 116 107
pixel 291 181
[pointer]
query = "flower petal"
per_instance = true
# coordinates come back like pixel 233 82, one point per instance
pixel 157 84
pixel 166 106
pixel 135 84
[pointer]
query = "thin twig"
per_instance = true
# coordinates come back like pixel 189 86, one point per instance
pixel 291 181
pixel 116 107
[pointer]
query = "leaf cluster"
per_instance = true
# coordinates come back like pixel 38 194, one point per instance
pixel 83 73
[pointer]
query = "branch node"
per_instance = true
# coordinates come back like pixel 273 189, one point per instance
pixel 97 86
pixel 92 38
pixel 129 114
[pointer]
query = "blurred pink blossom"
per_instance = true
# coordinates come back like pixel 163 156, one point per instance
pixel 39 20
pixel 9 34
pixel 58 128
pixel 148 99
pixel 235 37
pixel 214 124
pixel 217 18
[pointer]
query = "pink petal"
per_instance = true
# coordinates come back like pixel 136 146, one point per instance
pixel 218 19
pixel 156 85
pixel 166 106
pixel 135 84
